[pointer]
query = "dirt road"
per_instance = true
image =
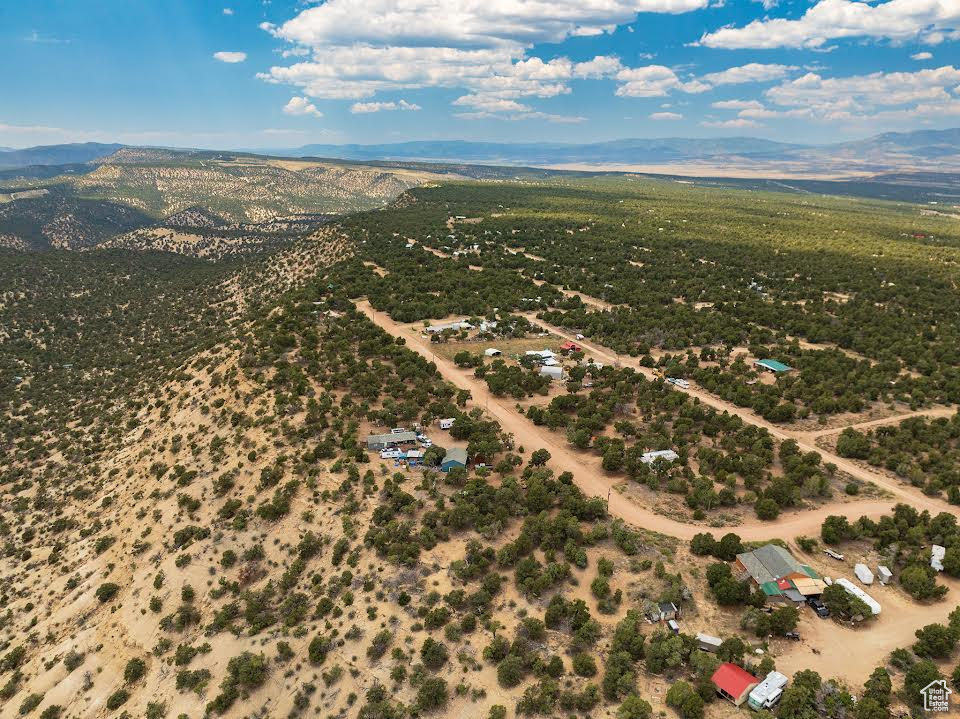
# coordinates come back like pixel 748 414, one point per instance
pixel 586 469
pixel 805 440
pixel 932 413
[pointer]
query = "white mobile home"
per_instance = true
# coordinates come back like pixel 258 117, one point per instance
pixel 553 372
pixel 446 422
pixel 768 692
pixel 853 589
pixel 455 326
pixel 666 454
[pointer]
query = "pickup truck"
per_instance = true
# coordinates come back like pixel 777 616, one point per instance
pixel 819 607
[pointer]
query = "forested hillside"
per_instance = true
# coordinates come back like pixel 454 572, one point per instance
pixel 142 199
pixel 193 523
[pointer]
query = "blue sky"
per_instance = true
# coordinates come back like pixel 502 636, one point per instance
pixel 258 74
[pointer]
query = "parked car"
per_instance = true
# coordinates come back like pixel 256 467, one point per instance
pixel 819 607
pixel 793 636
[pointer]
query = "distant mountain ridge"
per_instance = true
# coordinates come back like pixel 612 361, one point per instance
pixel 926 150
pixel 665 149
pixel 69 154
pixel 919 150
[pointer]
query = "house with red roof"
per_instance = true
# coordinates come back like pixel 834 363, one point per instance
pixel 733 682
pixel 570 347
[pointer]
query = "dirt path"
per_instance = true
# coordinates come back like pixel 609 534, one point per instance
pixel 931 413
pixel 805 440
pixel 586 299
pixel 590 477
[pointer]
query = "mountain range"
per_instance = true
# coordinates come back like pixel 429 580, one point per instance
pixel 928 150
pixel 922 150
pixel 72 153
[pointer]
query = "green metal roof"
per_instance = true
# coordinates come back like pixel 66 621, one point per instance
pixel 771 589
pixel 774 365
pixel 809 571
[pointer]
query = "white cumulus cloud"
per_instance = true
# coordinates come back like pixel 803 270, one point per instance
pixel 666 116
pixel 654 81
pixel 354 49
pixel 751 72
pixel 930 21
pixel 230 57
pixel 301 106
pixel 737 123
pixel 922 56
pixel 367 107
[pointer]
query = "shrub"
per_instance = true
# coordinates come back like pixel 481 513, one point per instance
pixel 105 592
pixel 318 649
pixel 30 703
pixel 433 654
pixel 634 707
pixel 584 665
pixel 510 671
pixel 117 699
pixel 134 670
pixel 688 703
pixel 432 694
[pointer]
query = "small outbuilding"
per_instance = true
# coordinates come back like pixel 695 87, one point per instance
pixel 447 422
pixel 863 574
pixel 733 682
pixel 770 365
pixel 884 574
pixel 937 553
pixel 492 352
pixel 570 347
pixel 668 611
pixel 455 457
pixel 708 642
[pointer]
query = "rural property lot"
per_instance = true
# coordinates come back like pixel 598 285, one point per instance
pixel 595 482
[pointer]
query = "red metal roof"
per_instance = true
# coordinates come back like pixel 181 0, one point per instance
pixel 732 679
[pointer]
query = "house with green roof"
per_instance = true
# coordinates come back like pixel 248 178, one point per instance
pixel 771 365
pixel 778 574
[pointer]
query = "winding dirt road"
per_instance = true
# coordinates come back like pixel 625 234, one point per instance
pixel 804 439
pixel 595 482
